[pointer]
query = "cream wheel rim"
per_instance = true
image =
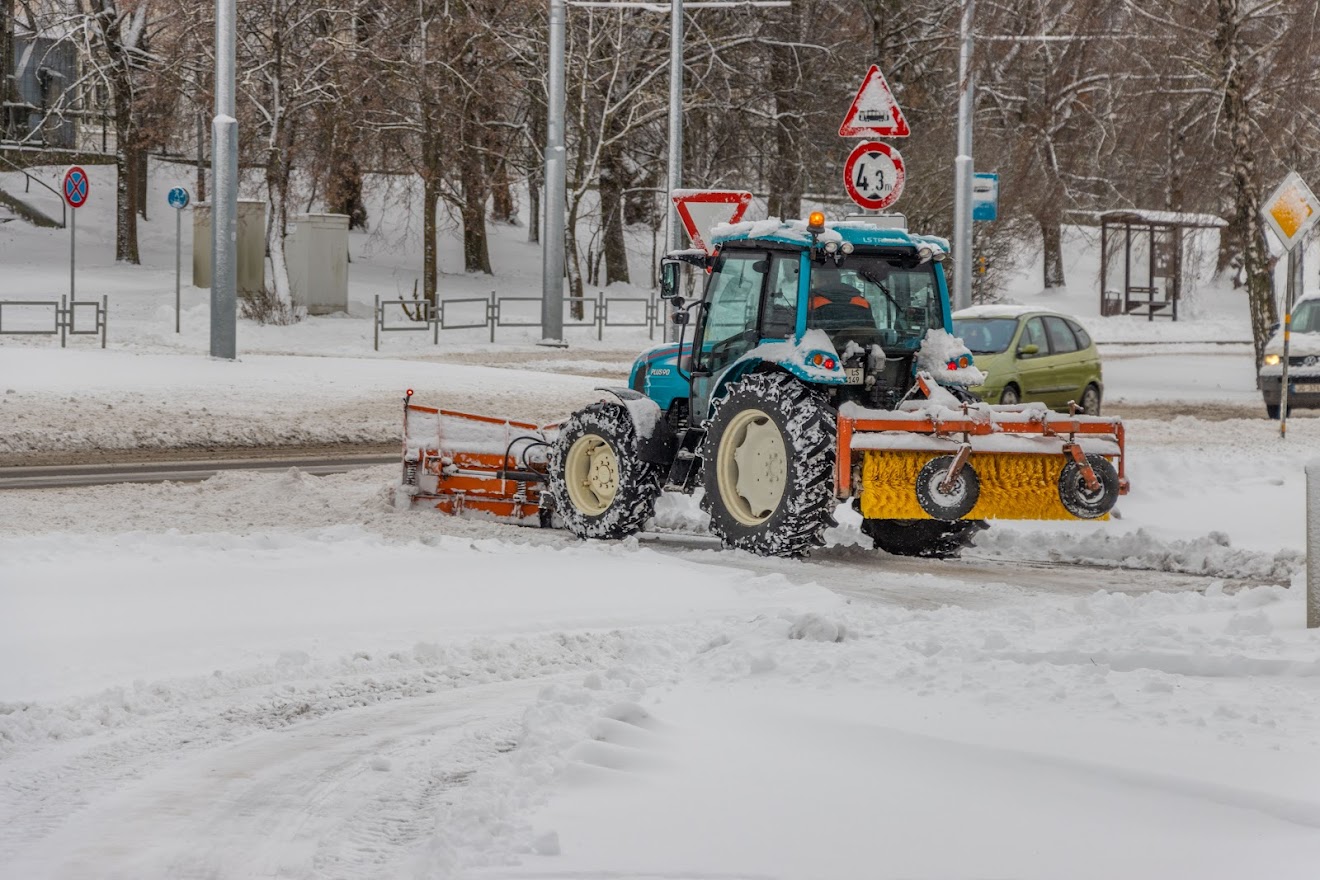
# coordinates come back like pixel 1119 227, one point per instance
pixel 752 467
pixel 591 473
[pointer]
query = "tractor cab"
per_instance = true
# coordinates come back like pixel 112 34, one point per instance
pixel 845 307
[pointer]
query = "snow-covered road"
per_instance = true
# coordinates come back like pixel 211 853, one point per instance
pixel 275 674
pixel 227 680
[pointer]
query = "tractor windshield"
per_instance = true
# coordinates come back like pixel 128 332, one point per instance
pixel 869 299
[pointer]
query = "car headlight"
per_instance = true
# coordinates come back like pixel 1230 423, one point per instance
pixel 1272 360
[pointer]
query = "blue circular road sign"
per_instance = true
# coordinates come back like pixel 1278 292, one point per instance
pixel 178 197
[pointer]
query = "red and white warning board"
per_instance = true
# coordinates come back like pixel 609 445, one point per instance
pixel 701 209
pixel 873 175
pixel 874 112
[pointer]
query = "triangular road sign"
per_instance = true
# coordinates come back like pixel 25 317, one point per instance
pixel 874 112
pixel 701 209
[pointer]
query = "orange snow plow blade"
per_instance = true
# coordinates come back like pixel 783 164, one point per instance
pixel 457 462
pixel 1022 457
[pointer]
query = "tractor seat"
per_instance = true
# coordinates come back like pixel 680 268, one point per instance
pixel 840 305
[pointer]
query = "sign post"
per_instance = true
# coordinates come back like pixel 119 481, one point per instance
pixel 76 187
pixel 1291 212
pixel 178 199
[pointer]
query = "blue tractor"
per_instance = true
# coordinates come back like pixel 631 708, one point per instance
pixel 821 370
pixel 802 329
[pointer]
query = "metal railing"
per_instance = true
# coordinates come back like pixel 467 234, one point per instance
pixel 28 180
pixel 37 317
pixel 474 313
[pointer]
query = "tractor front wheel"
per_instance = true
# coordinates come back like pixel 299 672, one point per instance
pixel 768 465
pixel 599 486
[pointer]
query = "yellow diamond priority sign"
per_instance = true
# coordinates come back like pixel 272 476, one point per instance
pixel 1291 211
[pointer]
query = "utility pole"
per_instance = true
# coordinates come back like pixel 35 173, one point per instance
pixel 675 121
pixel 224 179
pixel 962 194
pixel 556 171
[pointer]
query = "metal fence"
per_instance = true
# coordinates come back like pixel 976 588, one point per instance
pixel 48 317
pixel 472 313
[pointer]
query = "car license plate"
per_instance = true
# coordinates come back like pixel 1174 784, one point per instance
pixel 853 375
pixel 1299 387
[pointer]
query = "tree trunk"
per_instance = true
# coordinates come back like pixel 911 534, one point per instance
pixel 503 207
pixel 126 167
pixel 277 195
pixel 1051 234
pixel 1256 264
pixel 533 209
pixel 343 190
pixel 476 253
pixel 430 259
pixel 611 185
pixel 785 177
pixel 571 266
pixel 6 66
pixel 140 183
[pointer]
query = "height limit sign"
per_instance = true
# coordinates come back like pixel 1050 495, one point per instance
pixel 873 175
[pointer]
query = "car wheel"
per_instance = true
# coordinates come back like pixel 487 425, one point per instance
pixel 1272 411
pixel 1091 401
pixel 1009 396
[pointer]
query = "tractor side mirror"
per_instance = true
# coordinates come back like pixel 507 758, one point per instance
pixel 1031 349
pixel 668 279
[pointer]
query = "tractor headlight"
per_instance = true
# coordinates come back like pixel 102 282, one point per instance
pixel 1272 360
pixel 846 247
pixel 831 247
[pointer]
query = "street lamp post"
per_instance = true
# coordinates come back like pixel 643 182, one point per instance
pixel 962 194
pixel 224 200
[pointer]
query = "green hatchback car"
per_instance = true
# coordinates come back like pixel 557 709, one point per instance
pixel 1031 355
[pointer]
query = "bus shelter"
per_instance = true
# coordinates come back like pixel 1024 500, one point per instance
pixel 1141 260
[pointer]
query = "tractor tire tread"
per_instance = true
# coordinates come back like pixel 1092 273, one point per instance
pixel 807 509
pixel 639 481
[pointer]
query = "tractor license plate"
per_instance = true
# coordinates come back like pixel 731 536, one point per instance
pixel 853 375
pixel 1300 387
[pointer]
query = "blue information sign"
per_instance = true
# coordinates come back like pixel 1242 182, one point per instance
pixel 985 196
pixel 178 197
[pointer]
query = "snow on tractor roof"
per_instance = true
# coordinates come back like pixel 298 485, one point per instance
pixel 857 232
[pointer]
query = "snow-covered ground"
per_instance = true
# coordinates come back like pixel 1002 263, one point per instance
pixel 286 676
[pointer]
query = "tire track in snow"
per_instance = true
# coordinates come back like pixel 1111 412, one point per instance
pixel 346 795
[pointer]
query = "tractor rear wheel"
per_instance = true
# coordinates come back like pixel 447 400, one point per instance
pixel 930 538
pixel 598 485
pixel 768 466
